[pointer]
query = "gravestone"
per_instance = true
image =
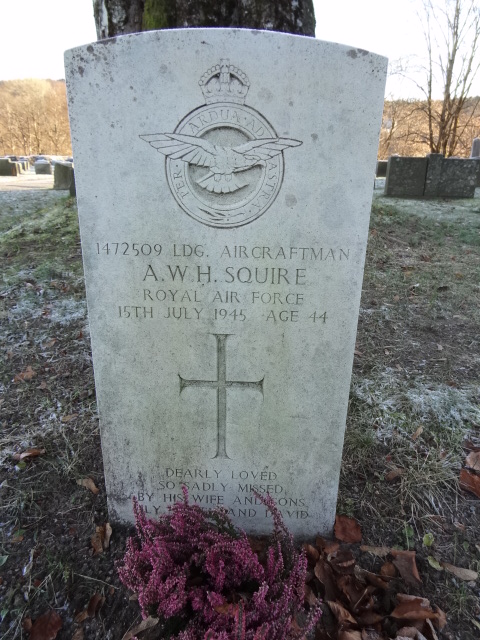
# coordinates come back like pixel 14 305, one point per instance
pixel 381 168
pixel 8 168
pixel 43 167
pixel 475 152
pixel 73 191
pixel 433 176
pixel 458 178
pixel 224 271
pixel 62 176
pixel 405 176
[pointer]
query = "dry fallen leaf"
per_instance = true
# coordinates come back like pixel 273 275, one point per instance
pixel 388 570
pixel 29 453
pixel 462 574
pixel 324 573
pixel 81 617
pixel 69 418
pixel 381 552
pixel 310 598
pixel 95 604
pixel 349 634
pixel 28 374
pixel 326 546
pixel 101 538
pixel 470 482
pixel 108 535
pixel 27 624
pixel 46 626
pixel 441 620
pixel 406 565
pixel 394 473
pixel 417 433
pixel 97 541
pixel 380 582
pixel 341 614
pixel 148 623
pixel 413 608
pixel 347 529
pixel 78 635
pixel 88 483
pixel 473 460
pixel 342 561
pixel 312 553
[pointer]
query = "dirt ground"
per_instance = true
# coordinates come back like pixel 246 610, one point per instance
pixel 414 414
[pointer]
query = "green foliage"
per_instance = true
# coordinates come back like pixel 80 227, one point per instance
pixel 428 539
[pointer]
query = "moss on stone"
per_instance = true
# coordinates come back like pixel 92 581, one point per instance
pixel 157 14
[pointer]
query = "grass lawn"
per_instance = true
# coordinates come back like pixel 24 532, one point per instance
pixel 414 416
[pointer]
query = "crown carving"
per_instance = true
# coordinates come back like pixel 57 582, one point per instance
pixel 224 83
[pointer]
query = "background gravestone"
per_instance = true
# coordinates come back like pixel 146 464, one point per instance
pixel 224 271
pixel 475 152
pixel 43 167
pixel 62 176
pixel 381 168
pixel 405 176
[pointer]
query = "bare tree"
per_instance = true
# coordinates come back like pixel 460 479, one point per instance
pixel 34 117
pixel 452 33
pixel 116 17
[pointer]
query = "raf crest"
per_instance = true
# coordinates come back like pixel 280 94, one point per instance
pixel 224 161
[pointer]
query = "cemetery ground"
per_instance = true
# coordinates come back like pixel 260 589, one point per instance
pixel 413 419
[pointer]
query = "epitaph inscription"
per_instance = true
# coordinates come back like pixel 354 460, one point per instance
pixel 224 161
pixel 221 384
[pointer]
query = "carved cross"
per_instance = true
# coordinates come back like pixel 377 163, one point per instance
pixel 221 384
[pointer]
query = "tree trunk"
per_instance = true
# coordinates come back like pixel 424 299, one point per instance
pixel 117 17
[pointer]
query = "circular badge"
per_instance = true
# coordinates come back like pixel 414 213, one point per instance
pixel 224 161
pixel 238 187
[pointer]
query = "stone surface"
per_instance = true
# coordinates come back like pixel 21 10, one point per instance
pixel 458 178
pixel 73 190
pixel 381 168
pixel 8 168
pixel 405 176
pixel 43 167
pixel 432 177
pixel 475 152
pixel 224 272
pixel 477 160
pixel 62 176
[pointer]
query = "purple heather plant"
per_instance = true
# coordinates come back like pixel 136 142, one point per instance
pixel 195 571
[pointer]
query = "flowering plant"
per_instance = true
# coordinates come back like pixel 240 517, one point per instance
pixel 199 575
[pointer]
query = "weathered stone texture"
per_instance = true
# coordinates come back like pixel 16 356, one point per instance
pixel 224 219
pixel 432 177
pixel 381 169
pixel 62 176
pixel 405 176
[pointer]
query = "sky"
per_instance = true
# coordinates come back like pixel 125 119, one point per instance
pixel 35 33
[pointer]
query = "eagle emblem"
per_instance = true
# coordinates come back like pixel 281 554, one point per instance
pixel 224 161
pixel 225 164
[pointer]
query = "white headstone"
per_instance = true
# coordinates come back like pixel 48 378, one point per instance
pixel 224 217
